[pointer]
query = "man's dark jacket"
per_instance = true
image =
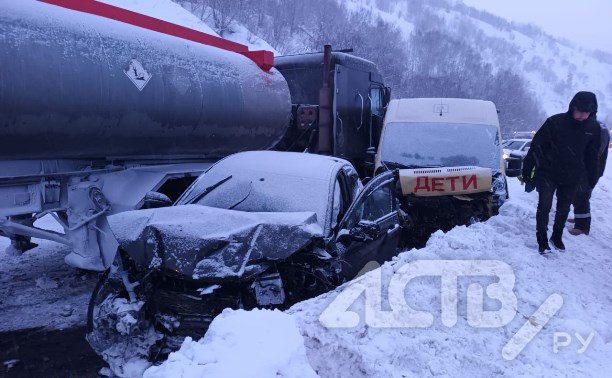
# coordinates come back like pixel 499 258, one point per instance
pixel 603 149
pixel 564 149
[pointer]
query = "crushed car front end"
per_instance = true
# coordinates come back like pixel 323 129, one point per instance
pixel 179 267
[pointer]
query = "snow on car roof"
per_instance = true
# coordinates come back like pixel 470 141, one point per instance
pixel 272 181
pixel 281 163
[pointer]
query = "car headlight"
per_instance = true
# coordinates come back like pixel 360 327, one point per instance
pixel 498 185
pixel 505 156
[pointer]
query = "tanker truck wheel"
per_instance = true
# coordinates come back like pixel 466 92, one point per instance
pixel 119 328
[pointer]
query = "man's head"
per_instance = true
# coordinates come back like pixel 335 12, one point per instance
pixel 580 115
pixel 583 106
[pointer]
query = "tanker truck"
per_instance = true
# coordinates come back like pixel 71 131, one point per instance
pixel 104 110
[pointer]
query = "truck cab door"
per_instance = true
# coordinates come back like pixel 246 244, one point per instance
pixel 351 114
pixel 370 229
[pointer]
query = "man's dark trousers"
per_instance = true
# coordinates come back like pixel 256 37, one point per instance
pixel 582 207
pixel 565 195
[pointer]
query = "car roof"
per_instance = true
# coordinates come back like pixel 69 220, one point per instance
pixel 282 163
pixel 314 174
pixel 451 110
pixel 524 134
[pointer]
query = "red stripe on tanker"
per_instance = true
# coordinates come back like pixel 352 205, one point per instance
pixel 264 59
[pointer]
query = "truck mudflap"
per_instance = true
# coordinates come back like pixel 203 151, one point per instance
pixel 444 181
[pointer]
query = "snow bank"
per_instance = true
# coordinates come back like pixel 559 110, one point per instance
pixel 258 343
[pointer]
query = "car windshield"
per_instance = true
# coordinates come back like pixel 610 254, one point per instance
pixel 441 144
pixel 514 144
pixel 261 191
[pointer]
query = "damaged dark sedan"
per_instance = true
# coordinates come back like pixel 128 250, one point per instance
pixel 259 229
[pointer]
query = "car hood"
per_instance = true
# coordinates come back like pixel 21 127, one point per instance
pixel 208 243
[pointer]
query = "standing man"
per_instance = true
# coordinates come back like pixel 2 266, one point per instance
pixel 563 149
pixel 582 206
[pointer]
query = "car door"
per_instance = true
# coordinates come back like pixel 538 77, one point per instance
pixel 370 229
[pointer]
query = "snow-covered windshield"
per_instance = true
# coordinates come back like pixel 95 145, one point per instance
pixel 262 191
pixel 441 144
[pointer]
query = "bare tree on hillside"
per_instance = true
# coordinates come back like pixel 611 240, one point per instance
pixel 222 13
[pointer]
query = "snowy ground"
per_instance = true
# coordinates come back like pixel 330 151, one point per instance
pixel 37 289
pixel 569 294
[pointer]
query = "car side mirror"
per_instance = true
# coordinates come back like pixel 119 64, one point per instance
pixel 514 166
pixel 370 159
pixel 387 95
pixel 364 231
pixel 370 155
pixel 154 200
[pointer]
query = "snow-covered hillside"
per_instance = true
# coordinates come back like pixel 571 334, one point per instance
pixel 554 69
pixel 173 12
pixel 164 10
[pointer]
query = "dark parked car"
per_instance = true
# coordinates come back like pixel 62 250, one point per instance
pixel 519 146
pixel 515 151
pixel 258 229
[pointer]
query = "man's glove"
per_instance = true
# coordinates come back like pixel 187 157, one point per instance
pixel 528 181
pixel 525 179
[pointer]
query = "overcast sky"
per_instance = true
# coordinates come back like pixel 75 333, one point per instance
pixel 584 22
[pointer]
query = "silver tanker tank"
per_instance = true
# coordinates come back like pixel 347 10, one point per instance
pixel 75 85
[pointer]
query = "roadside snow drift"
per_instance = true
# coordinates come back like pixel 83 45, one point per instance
pixel 258 343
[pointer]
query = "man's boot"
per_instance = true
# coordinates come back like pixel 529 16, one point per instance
pixel 556 241
pixel 582 226
pixel 542 239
